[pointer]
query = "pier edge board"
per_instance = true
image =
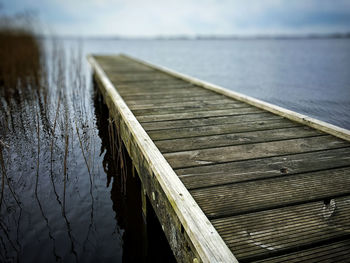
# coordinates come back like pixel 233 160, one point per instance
pixel 289 114
pixel 179 214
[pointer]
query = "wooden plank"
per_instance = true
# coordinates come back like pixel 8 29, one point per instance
pixel 143 86
pixel 245 118
pixel 138 95
pixel 241 171
pixel 182 109
pixel 272 132
pixel 218 129
pixel 166 95
pixel 165 105
pixel 197 114
pixel 113 68
pixel 117 63
pixel 248 197
pixel 267 233
pixel 129 92
pixel 120 70
pixel 140 76
pixel 148 81
pixel 174 100
pixel 149 88
pixel 251 151
pixel 294 116
pixel 208 245
pixel 332 252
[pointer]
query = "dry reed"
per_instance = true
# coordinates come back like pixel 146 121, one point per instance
pixel 20 66
pixel 47 104
pixel 3 171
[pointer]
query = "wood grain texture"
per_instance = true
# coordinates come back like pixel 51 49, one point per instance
pixel 274 132
pixel 166 105
pixel 332 252
pixel 163 95
pixel 176 99
pixel 197 114
pixel 183 109
pixel 159 91
pixel 252 151
pixel 218 129
pixel 257 169
pixel 248 197
pixel 270 232
pixel 234 119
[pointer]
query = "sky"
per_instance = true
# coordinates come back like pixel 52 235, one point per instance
pixel 148 18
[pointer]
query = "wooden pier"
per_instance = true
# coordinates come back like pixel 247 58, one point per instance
pixel 231 178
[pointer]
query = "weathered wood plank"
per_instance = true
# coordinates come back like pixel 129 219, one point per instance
pixel 145 76
pixel 149 88
pixel 149 81
pixel 273 132
pixel 267 233
pixel 160 91
pixel 166 105
pixel 174 100
pixel 115 64
pixel 143 86
pixel 152 96
pixel 196 115
pixel 219 129
pixel 120 70
pixel 331 252
pixel 247 197
pixel 141 76
pixel 251 151
pixel 113 68
pixel 182 109
pixel 244 118
pixel 240 171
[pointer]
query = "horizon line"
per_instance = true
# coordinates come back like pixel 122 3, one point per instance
pixel 204 36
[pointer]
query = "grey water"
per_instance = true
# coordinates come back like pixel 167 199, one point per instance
pixel 67 198
pixel 309 76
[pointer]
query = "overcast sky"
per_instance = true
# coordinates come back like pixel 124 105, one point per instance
pixel 186 17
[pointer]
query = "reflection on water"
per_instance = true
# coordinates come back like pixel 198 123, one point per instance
pixel 143 239
pixel 66 195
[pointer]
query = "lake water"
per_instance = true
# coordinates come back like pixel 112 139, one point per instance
pixel 310 76
pixel 66 197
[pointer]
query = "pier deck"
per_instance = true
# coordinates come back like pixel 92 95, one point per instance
pixel 230 177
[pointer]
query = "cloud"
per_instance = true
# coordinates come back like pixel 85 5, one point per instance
pixel 169 17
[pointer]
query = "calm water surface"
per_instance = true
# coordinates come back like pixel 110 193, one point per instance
pixel 68 191
pixel 310 76
pixel 66 196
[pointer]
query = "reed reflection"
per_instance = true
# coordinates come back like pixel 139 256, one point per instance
pixel 40 130
pixel 60 200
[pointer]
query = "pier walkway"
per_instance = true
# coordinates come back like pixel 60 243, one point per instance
pixel 231 178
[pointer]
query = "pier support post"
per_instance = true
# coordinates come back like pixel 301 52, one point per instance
pixel 144 204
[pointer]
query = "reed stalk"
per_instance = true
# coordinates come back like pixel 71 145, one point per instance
pixel 51 149
pixel 66 144
pixel 3 171
pixel 4 176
